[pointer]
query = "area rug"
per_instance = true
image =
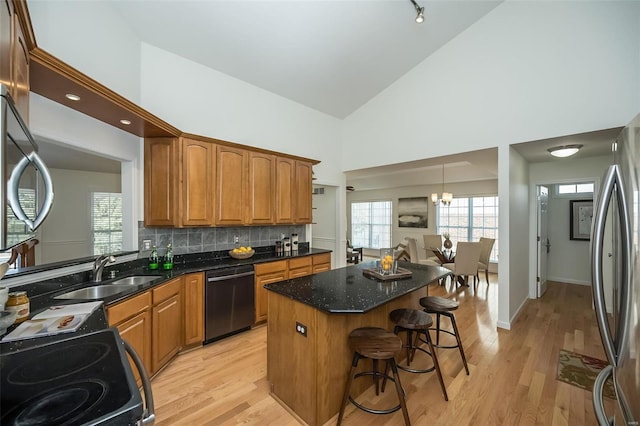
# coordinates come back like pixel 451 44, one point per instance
pixel 581 371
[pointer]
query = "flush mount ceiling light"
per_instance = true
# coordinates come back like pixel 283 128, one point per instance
pixel 125 122
pixel 564 151
pixel 419 11
pixel 72 97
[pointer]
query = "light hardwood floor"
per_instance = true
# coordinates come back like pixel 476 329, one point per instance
pixel 512 380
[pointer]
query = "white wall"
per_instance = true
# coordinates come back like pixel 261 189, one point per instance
pixel 199 100
pixel 325 223
pixel 563 251
pixel 528 70
pixel 517 252
pixel 461 189
pixel 56 122
pixel 91 37
pixel 569 260
pixel 66 234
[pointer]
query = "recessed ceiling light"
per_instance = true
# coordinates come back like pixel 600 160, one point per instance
pixel 72 97
pixel 125 122
pixel 564 151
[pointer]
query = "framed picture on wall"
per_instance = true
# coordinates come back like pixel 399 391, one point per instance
pixel 581 214
pixel 413 212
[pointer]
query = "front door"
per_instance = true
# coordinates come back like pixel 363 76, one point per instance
pixel 543 238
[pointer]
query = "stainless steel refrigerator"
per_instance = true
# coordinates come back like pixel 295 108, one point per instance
pixel 620 331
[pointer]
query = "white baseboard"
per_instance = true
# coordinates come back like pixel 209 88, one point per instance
pixel 569 280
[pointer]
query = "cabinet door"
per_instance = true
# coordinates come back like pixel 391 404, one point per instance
pixel 262 184
pixel 302 192
pixel 321 262
pixel 261 292
pixel 285 170
pixel 20 70
pixel 193 309
pixel 6 43
pixel 197 182
pixel 231 172
pixel 137 332
pixel 167 332
pixel 160 182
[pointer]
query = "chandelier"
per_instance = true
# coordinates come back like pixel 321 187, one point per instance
pixel 446 198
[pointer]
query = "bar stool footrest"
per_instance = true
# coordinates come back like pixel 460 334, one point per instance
pixel 372 410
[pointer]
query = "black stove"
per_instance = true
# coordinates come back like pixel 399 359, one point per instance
pixel 84 380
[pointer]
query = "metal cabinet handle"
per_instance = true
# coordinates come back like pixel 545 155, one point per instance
pixel 149 415
pixel 598 398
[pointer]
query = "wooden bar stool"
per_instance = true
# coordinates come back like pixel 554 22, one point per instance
pixel 410 320
pixel 442 306
pixel 377 344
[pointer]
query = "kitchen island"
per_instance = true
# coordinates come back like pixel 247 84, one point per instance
pixel 309 320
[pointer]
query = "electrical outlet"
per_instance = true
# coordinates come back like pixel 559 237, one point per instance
pixel 301 328
pixel 236 239
pixel 146 244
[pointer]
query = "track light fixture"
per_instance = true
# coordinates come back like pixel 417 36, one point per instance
pixel 419 11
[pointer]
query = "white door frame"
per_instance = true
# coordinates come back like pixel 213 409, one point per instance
pixel 542 239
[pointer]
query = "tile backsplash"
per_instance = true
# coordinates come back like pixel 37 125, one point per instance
pixel 194 240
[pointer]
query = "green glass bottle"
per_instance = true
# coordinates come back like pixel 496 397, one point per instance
pixel 168 258
pixel 153 258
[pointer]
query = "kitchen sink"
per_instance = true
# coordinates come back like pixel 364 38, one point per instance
pixel 135 280
pixel 95 292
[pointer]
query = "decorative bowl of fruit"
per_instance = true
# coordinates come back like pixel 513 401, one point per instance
pixel 241 252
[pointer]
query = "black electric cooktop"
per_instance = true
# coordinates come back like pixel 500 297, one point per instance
pixel 84 380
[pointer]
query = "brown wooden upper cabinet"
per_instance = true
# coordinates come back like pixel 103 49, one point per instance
pixel 285 182
pixel 14 58
pixel 197 170
pixel 262 184
pixel 160 182
pixel 231 188
pixel 302 193
pixel 198 183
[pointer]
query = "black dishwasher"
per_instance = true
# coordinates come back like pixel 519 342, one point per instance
pixel 229 301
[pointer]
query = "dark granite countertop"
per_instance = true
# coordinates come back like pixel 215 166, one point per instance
pixel 348 290
pixel 42 294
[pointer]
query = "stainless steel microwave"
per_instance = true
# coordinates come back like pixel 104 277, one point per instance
pixel 26 192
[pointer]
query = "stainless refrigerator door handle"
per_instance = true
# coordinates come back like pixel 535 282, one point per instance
pixel 598 398
pixel 624 258
pixel 13 186
pixel 149 415
pixel 597 241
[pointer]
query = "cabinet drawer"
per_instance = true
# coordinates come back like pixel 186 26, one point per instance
pixel 321 268
pixel 268 268
pixel 300 272
pixel 299 262
pixel 322 258
pixel 167 290
pixel 128 308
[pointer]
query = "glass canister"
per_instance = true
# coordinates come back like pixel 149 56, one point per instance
pixel 388 264
pixel 18 302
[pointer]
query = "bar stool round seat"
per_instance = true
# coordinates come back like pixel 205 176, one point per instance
pixel 441 306
pixel 410 321
pixel 377 344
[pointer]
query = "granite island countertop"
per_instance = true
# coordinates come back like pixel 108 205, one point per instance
pixel 349 290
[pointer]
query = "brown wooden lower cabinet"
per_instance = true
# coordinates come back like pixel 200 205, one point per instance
pixel 193 308
pixel 158 323
pixel 167 332
pixel 281 270
pixel 137 332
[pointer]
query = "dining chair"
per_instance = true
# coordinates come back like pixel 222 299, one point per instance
pixel 466 262
pixel 485 253
pixel 432 242
pixel 412 245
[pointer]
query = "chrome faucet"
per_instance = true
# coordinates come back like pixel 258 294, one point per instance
pixel 98 266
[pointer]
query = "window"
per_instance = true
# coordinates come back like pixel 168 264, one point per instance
pixel 574 188
pixel 106 222
pixel 468 219
pixel 371 224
